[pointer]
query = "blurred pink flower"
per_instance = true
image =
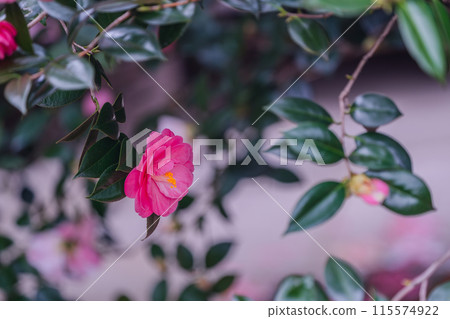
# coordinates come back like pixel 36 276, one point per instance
pixel 7 1
pixel 163 176
pixel 372 190
pixel 68 249
pixel 103 96
pixel 7 42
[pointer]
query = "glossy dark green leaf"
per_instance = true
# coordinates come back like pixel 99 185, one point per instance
pixel 157 251
pixel 400 155
pixel 310 35
pixel 342 281
pixel 119 109
pixel 299 110
pixel 61 98
pixel 324 141
pixel 179 14
pixel 90 141
pixel 131 43
pixel 184 257
pixel 193 293
pixel 343 8
pixel 160 291
pixel 70 73
pixel 374 157
pixel 17 91
pixel 241 298
pixel 152 223
pixel 440 293
pixel 421 36
pixel 223 284
pixel 408 194
pixel 80 129
pixel 110 186
pixel 217 253
pixel 250 6
pixel 5 242
pixel 442 17
pixel 170 33
pixel 58 10
pixel 282 175
pixel 185 202
pixel 99 157
pixel 99 72
pixel 300 288
pixel 106 122
pixel 373 110
pixel 319 204
pixel 15 16
pixel 118 5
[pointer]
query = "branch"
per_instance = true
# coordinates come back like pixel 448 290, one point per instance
pixel 166 5
pixel 36 20
pixel 307 15
pixel 343 97
pixel 115 23
pixel 423 277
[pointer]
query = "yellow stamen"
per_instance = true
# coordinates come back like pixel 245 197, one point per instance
pixel 170 179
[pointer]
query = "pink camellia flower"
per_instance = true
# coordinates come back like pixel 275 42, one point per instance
pixel 67 250
pixel 163 175
pixel 7 42
pixel 372 190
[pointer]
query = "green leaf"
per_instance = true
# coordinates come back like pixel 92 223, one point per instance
pixel 421 36
pixel 193 293
pixel 119 109
pixel 152 223
pixel 282 175
pixel 185 202
pixel 408 194
pixel 106 122
pixel 319 204
pixel 170 33
pixel 116 5
pixel 241 298
pixel 342 281
pixel 179 14
pixel 400 155
pixel 300 288
pixel 343 8
pixel 442 17
pixel 58 10
pixel 61 98
pixel 301 110
pixel 99 157
pixel 160 291
pixel 110 186
pixel 325 142
pixel 223 284
pixel 373 110
pixel 80 129
pixel 217 253
pixel 70 73
pixel 48 293
pixel 184 257
pixel 122 165
pixel 131 43
pixel 5 242
pixel 440 293
pixel 17 92
pixel 15 16
pixel 373 156
pixel 157 252
pixel 310 35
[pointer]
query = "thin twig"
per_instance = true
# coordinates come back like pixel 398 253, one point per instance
pixel 115 23
pixel 66 30
pixel 36 20
pixel 308 15
pixel 422 277
pixel 343 97
pixel 166 5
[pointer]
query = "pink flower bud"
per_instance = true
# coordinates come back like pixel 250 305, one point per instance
pixel 7 42
pixel 372 190
pixel 163 175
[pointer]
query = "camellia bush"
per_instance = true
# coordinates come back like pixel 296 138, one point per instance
pixel 56 61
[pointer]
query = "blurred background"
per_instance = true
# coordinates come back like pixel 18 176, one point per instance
pixel 224 70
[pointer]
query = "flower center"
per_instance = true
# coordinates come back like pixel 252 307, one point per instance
pixel 171 180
